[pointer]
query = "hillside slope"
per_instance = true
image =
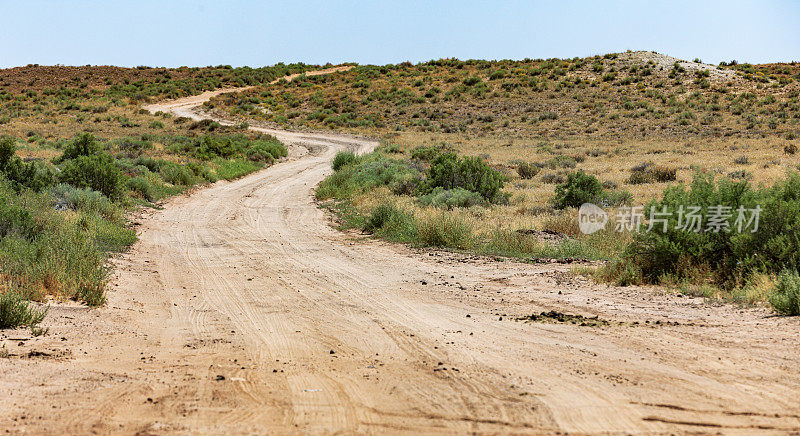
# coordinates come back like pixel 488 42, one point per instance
pixel 634 94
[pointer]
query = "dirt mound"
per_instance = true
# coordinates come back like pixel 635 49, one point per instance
pixel 664 63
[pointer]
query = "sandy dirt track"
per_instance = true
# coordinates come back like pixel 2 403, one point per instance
pixel 241 311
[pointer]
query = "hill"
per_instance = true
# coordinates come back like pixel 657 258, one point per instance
pixel 622 95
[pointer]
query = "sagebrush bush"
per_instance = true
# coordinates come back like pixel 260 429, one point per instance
pixel 99 172
pixel 16 311
pixel 449 171
pixel 560 161
pixel 730 256
pixel 650 173
pixel 86 200
pixel 451 198
pixel 342 159
pixel 579 188
pixel 527 170
pixel 785 298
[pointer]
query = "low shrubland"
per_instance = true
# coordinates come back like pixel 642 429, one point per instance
pixel 609 96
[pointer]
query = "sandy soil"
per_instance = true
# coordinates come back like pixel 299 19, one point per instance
pixel 241 310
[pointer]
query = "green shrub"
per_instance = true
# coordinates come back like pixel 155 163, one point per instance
pixel 451 198
pixel 8 149
pixel 82 145
pixel 342 159
pixel 147 187
pixel 579 188
pixel 34 175
pixel 156 125
pixel 85 200
pixel 391 222
pixel 43 252
pixel 266 152
pixel 367 172
pixel 15 219
pixel 15 311
pixel 177 175
pixel 99 172
pixel 235 168
pixel 427 153
pixel 527 170
pixel 202 172
pixel 785 298
pixel 614 198
pixel 449 171
pixel 730 256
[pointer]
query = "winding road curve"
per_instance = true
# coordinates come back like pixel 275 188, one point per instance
pixel 241 310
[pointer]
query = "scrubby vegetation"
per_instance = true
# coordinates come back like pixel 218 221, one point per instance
pixel 723 233
pixel 475 155
pixel 442 203
pixel 16 311
pixel 580 188
pixel 786 296
pixel 60 219
pixel 611 96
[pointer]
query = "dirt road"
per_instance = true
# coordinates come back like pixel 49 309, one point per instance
pixel 240 310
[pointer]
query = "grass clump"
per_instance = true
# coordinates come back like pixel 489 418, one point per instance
pixel 366 172
pixel 441 229
pixel 230 169
pixel 342 159
pixel 16 311
pixel 527 170
pixel 650 173
pixel 391 222
pixel 451 198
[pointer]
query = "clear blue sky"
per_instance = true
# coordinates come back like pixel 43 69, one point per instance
pixel 257 33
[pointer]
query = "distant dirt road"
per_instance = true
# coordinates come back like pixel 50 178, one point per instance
pixel 240 310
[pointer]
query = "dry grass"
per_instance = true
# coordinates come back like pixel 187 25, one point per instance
pixel 610 161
